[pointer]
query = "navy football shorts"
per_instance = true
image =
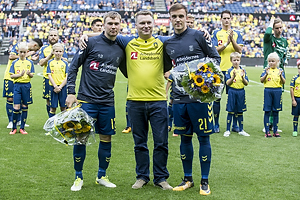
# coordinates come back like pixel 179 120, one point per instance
pixel 22 93
pixel 46 88
pixel 296 109
pixel 272 99
pixel 193 117
pixel 105 116
pixel 8 88
pixel 236 101
pixel 58 97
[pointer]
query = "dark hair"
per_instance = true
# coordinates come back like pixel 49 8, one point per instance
pixel 226 11
pixel 178 6
pixel 95 21
pixel 38 41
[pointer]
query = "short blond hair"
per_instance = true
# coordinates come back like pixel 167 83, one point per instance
pixel 277 21
pixel 57 45
pixel 275 56
pixel 143 12
pixel 235 55
pixel 112 15
pixel 190 16
pixel 23 45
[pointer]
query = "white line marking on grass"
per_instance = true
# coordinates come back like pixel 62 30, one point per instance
pixel 251 81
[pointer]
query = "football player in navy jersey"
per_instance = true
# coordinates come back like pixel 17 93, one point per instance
pixel 187 45
pixel 100 61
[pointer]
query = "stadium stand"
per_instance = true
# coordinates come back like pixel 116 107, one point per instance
pixel 72 20
pixel 92 5
pixel 247 6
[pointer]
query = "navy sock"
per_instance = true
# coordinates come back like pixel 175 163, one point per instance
pixel 295 123
pixel 187 154
pixel 48 109
pixel 241 121
pixel 275 121
pixel 229 119
pixel 24 117
pixel 15 117
pixel 51 114
pixel 79 153
pixel 204 156
pixel 271 118
pixel 170 110
pixel 235 121
pixel 78 174
pixel 266 121
pixel 104 154
pixel 9 110
pixel 216 109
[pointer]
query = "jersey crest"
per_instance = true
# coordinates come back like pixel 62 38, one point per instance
pixel 94 65
pixel 134 55
pixel 220 42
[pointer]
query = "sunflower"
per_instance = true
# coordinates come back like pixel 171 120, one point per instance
pixel 204 68
pixel 69 124
pixel 86 128
pixel 78 126
pixel 217 79
pixel 198 80
pixel 204 89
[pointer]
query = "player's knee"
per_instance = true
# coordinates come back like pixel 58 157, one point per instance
pixel 17 106
pixel 203 140
pixel 186 139
pixel 275 113
pixel 105 138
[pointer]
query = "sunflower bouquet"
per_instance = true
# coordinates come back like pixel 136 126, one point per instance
pixel 202 79
pixel 73 126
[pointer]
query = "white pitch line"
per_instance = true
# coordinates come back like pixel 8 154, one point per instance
pixel 251 81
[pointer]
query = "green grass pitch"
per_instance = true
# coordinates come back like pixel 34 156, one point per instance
pixel 35 166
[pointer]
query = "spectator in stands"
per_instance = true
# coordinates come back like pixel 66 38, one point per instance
pixel 60 6
pixel 126 15
pixel 100 5
pixel 19 15
pixel 2 18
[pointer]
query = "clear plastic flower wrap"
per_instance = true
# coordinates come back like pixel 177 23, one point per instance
pixel 71 127
pixel 201 79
